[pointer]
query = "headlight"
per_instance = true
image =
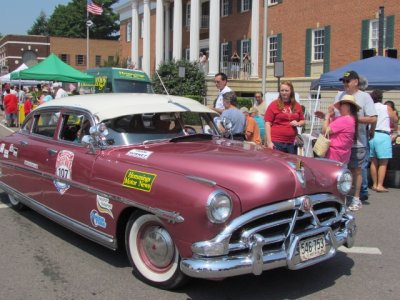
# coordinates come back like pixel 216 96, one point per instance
pixel 344 181
pixel 219 207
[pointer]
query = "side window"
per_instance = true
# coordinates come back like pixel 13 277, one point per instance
pixel 46 123
pixel 27 125
pixel 74 127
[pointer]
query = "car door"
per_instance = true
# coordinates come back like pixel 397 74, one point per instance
pixel 69 164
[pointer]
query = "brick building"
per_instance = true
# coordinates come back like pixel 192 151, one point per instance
pixel 311 37
pixel 32 49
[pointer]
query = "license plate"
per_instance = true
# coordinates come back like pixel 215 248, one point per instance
pixel 312 247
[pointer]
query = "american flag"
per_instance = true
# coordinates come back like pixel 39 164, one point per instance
pixel 94 8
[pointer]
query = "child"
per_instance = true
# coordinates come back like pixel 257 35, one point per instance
pixel 27 104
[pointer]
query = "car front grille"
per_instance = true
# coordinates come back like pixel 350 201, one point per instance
pixel 277 222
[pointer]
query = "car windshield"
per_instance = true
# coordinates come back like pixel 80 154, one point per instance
pixel 139 128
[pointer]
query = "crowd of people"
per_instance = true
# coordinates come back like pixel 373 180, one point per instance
pixel 360 128
pixel 13 98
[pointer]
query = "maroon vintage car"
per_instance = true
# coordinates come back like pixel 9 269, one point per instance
pixel 152 173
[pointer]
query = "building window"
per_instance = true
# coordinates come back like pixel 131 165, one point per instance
pixel 80 60
pixel 98 60
pixel 187 53
pixel 64 58
pixel 225 55
pixel 373 39
pixel 128 32
pixel 245 47
pixel 272 49
pixel 225 8
pixel 272 2
pixel 245 5
pixel 318 46
pixel 187 15
pixel 111 59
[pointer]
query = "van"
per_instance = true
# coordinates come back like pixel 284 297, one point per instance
pixel 117 80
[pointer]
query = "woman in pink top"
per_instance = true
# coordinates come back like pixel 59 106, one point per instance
pixel 342 130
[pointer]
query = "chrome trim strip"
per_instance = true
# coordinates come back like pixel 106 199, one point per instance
pixel 202 180
pixel 170 216
pixel 77 227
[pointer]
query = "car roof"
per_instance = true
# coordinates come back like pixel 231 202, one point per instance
pixel 111 105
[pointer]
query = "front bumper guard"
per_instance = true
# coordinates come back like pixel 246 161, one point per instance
pixel 256 261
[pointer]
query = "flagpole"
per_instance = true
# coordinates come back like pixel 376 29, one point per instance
pixel 87 39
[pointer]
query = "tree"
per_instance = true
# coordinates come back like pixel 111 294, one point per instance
pixel 70 21
pixel 40 27
pixel 192 84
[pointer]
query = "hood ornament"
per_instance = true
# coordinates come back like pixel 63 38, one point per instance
pixel 306 205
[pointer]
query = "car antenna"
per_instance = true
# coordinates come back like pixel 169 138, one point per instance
pixel 162 83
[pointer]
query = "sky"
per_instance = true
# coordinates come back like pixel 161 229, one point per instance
pixel 18 16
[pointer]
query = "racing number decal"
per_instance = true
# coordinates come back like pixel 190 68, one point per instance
pixel 64 162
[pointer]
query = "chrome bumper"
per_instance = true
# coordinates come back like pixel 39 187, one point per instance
pixel 256 261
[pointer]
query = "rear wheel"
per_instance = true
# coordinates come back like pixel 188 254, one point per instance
pixel 152 252
pixel 14 202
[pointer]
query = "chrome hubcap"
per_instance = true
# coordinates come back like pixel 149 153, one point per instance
pixel 158 246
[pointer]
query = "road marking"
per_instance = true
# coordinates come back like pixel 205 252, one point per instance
pixel 361 250
pixel 5 127
pixel 4 205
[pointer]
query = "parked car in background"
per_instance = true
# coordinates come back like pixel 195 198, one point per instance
pixel 152 174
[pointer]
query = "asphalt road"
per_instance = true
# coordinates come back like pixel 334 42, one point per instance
pixel 42 260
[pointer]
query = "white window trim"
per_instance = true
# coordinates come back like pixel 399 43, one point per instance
pixel 187 18
pixel 268 50
pixel 242 42
pixel 272 2
pixel 313 45
pixel 128 32
pixel 370 39
pixel 223 45
pixel 242 9
pixel 224 3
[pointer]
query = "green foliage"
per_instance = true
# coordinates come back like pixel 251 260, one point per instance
pixel 244 102
pixel 70 21
pixel 116 62
pixel 40 27
pixel 192 84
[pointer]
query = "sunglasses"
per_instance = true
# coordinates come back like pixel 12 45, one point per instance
pixel 346 80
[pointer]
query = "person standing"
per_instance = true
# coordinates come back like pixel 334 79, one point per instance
pixel 341 130
pixel 366 116
pixel 260 104
pixel 282 118
pixel 27 104
pixel 381 144
pixel 260 122
pixel 221 81
pixel 10 102
pixel 59 91
pixel 232 113
pixel 251 131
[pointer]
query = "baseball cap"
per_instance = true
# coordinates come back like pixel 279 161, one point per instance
pixel 349 75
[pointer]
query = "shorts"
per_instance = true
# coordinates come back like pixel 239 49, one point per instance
pixel 285 147
pixel 380 146
pixel 357 157
pixel 11 117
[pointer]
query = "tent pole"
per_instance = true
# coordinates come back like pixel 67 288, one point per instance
pixel 87 39
pixel 312 121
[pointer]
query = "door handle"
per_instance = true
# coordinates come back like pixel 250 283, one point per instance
pixel 52 151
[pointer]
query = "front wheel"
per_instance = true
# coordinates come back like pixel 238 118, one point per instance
pixel 14 202
pixel 153 254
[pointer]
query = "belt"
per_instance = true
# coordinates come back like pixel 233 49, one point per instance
pixel 383 131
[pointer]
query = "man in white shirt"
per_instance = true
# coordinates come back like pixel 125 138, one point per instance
pixel 221 81
pixel 59 91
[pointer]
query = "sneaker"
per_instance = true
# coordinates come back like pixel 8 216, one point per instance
pixel 363 197
pixel 355 204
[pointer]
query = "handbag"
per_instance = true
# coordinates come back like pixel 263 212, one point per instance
pixel 322 144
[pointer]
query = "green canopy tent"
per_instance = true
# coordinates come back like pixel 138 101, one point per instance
pixel 53 69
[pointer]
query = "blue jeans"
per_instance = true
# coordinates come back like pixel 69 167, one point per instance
pixel 364 174
pixel 284 147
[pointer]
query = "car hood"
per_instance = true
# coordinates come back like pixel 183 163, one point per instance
pixel 257 176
